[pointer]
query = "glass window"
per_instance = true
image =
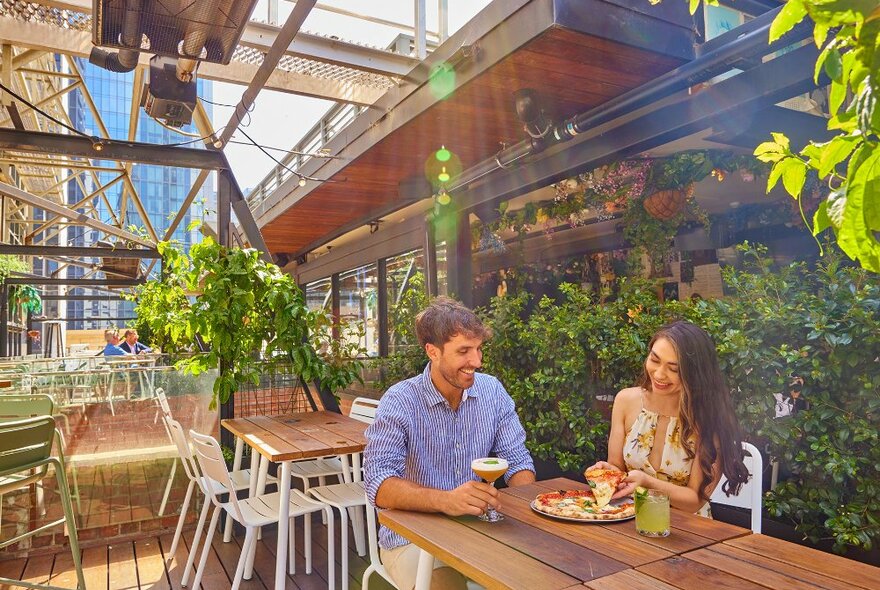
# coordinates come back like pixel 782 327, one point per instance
pixel 319 297
pixel 359 306
pixel 407 296
pixel 442 277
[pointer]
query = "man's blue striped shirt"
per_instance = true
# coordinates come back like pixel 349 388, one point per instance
pixel 417 436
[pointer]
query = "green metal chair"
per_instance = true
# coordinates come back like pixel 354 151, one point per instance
pixel 25 456
pixel 16 407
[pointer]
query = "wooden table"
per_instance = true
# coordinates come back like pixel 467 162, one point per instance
pixel 755 562
pixel 286 438
pixel 528 550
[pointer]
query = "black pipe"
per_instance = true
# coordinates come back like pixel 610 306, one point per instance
pixel 704 67
pixel 125 60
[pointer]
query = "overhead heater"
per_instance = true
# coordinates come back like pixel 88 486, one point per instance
pixel 180 34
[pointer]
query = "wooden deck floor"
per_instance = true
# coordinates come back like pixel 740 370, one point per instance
pixel 145 564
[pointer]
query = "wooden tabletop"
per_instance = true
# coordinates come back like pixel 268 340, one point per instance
pixel 529 550
pixel 304 435
pixel 755 562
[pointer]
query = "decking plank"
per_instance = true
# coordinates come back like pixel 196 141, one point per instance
pixel 121 566
pixel 12 569
pixel 150 565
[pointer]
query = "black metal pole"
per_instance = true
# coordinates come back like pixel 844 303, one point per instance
pixel 382 300
pixel 430 256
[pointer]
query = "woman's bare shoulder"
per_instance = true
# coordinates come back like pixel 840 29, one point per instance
pixel 627 400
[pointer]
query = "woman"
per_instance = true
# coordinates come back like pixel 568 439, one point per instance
pixel 684 398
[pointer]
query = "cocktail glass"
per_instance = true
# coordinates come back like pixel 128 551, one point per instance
pixel 652 513
pixel 489 469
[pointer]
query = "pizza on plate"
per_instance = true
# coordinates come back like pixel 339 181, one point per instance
pixel 604 483
pixel 582 505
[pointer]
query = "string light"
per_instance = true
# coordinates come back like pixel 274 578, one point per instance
pixel 443 197
pixel 443 176
pixel 302 181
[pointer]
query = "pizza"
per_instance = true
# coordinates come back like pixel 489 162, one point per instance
pixel 604 483
pixel 582 505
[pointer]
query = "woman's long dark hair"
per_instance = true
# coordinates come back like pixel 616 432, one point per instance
pixel 705 410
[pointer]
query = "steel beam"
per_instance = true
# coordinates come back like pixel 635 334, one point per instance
pixel 85 283
pixel 89 252
pixel 123 151
pixel 79 44
pixel 357 57
pixel 270 60
pixel 82 218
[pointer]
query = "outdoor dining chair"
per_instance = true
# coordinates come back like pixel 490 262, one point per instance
pixel 256 512
pixel 751 493
pixel 16 407
pixel 375 566
pixel 350 497
pixel 240 481
pixel 26 457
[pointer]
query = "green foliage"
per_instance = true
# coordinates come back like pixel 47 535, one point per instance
pixel 408 358
pixel 555 358
pixel 10 264
pixel 24 298
pixel 846 31
pixel 244 309
pixel 621 188
pixel 822 325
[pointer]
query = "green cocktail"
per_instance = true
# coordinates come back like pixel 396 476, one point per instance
pixel 652 512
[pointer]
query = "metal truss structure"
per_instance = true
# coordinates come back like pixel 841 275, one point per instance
pixel 43 152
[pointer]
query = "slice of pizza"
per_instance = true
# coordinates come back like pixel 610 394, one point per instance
pixel 604 483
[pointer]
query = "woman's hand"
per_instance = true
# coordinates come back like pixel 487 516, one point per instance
pixel 603 465
pixel 634 479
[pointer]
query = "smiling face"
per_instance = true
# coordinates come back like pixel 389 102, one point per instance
pixel 453 365
pixel 662 368
pixel 131 337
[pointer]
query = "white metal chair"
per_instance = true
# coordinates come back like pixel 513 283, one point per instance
pixel 240 481
pixel 256 512
pixel 373 544
pixel 166 412
pixel 350 497
pixel 750 495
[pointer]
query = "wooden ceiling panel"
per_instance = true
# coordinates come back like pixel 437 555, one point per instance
pixel 573 72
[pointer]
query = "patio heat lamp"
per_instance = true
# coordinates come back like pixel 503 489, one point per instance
pixel 179 34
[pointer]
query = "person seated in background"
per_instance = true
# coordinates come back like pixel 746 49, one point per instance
pixel 677 432
pixel 131 344
pixel 111 337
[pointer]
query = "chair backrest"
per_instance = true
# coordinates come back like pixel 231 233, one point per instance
pixel 26 444
pixel 178 435
pixel 163 401
pixel 13 407
pixel 364 409
pixel 750 495
pixel 213 466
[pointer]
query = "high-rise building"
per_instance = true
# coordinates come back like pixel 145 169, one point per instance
pixel 161 189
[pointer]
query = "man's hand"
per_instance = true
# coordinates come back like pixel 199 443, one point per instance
pixel 470 498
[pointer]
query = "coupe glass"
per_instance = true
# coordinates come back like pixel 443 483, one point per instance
pixel 489 469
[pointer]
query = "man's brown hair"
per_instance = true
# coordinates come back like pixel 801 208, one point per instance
pixel 445 318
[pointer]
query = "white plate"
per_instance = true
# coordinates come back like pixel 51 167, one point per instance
pixel 592 521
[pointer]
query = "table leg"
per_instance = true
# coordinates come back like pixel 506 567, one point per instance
pixel 236 465
pixel 283 527
pixel 425 571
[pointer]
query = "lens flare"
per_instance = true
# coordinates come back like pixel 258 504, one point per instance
pixel 443 154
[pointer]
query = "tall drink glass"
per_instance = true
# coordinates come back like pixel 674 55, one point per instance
pixel 489 469
pixel 652 513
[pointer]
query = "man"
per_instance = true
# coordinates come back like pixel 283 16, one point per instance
pixel 429 428
pixel 131 344
pixel 111 337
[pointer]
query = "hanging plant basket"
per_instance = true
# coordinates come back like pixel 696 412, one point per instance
pixel 666 204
